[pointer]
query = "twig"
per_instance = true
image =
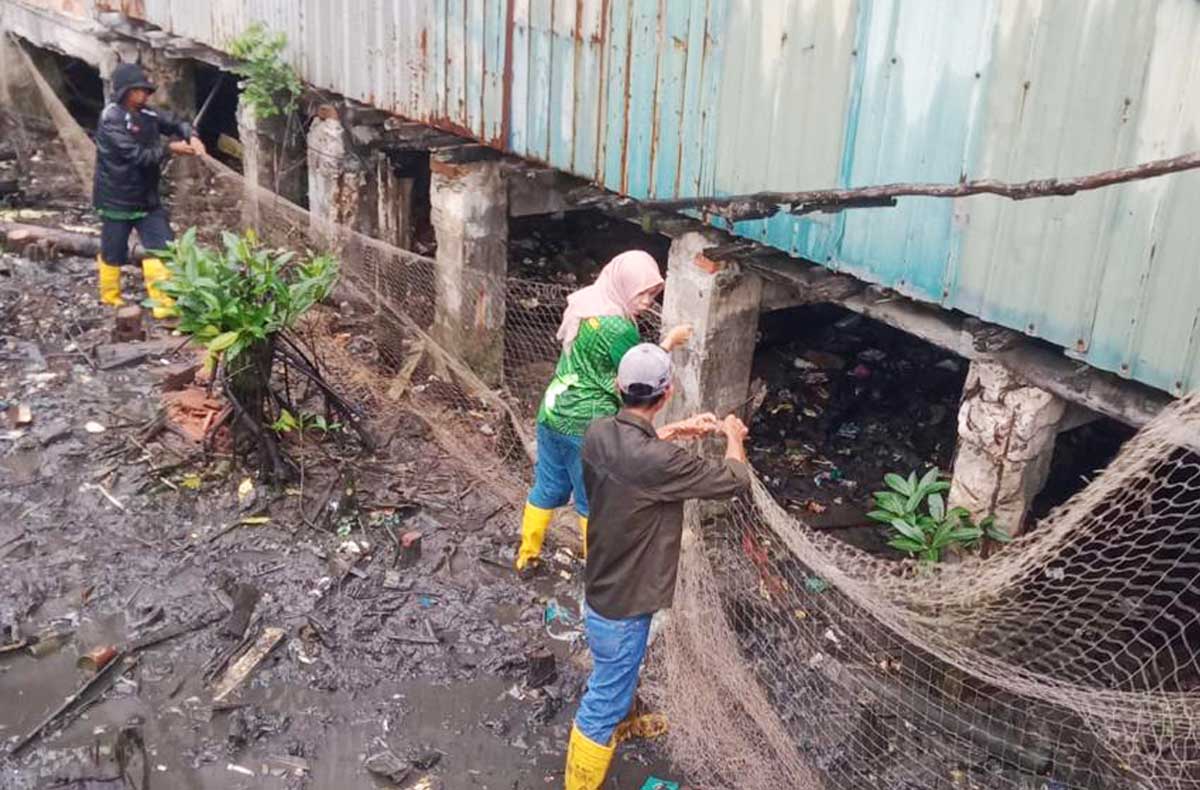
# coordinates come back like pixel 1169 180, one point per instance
pixel 765 204
pixel 104 491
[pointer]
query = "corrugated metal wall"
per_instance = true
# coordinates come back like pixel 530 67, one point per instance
pixel 659 98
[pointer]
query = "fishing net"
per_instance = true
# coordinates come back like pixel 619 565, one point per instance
pixel 1065 661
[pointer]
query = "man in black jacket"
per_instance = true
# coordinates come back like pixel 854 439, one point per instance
pixel 130 153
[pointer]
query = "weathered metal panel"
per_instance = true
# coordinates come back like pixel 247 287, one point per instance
pixel 662 98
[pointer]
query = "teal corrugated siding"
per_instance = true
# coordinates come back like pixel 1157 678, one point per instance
pixel 664 98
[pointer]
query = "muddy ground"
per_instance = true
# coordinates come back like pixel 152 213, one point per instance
pixel 113 528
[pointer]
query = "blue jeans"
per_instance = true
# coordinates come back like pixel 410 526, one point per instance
pixel 618 647
pixel 558 471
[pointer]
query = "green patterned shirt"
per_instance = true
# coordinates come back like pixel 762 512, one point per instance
pixel 584 387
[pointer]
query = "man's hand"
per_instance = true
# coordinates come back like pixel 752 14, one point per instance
pixel 691 428
pixel 197 146
pixel 734 429
pixel 735 432
pixel 180 148
pixel 679 336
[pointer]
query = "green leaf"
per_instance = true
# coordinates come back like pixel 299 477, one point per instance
pixel 893 503
pixel 908 530
pixel 898 484
pixel 223 341
pixel 927 480
pixel 907 545
pixel 937 507
pixel 997 534
pixel 881 515
pixel 937 488
pixel 964 534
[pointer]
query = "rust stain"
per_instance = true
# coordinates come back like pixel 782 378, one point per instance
pixel 628 89
pixel 424 44
pixel 131 8
pixel 506 80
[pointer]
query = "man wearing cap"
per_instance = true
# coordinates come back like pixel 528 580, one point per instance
pixel 130 152
pixel 636 484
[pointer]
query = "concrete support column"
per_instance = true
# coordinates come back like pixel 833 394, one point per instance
pixel 722 302
pixel 1006 433
pixel 470 218
pixel 175 78
pixel 336 181
pixel 274 158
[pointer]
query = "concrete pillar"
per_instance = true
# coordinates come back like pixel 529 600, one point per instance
pixel 175 78
pixel 470 218
pixel 336 182
pixel 1006 432
pixel 274 158
pixel 722 302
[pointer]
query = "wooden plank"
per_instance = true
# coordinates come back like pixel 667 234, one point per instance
pixel 244 666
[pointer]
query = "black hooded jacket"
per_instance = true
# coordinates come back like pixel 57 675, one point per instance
pixel 129 147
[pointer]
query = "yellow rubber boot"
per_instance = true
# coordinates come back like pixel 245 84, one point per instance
pixel 534 523
pixel 583 524
pixel 587 762
pixel 110 283
pixel 154 272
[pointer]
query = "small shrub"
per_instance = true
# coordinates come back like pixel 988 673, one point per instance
pixel 233 298
pixel 921 524
pixel 238 302
pixel 268 83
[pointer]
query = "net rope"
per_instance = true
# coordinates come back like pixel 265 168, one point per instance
pixel 1067 660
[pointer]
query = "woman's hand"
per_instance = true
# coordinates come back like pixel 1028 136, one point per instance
pixel 678 336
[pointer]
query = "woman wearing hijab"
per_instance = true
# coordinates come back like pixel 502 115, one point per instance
pixel 598 327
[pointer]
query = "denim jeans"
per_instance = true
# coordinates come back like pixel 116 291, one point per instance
pixel 558 471
pixel 618 647
pixel 154 230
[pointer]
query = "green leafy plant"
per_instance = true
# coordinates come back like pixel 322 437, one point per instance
pixel 288 422
pixel 268 83
pixel 921 524
pixel 238 301
pixel 233 298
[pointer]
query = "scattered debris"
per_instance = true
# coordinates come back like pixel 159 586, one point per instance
pixel 94 427
pixel 388 766
pixel 245 598
pixel 93 687
pixel 541 668
pixel 23 415
pixel 119 355
pixel 97 658
pixel 410 549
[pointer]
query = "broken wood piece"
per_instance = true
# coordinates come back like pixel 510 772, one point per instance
pixel 245 598
pixel 117 355
pixel 249 661
pixel 128 325
pixel 159 637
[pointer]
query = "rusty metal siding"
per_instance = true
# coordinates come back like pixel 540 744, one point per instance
pixel 662 98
